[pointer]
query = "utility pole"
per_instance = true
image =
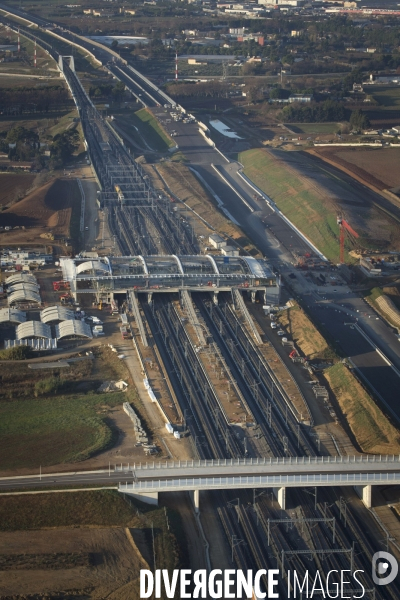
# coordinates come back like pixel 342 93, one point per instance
pixel 235 542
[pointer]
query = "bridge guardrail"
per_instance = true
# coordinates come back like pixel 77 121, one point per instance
pixel 257 481
pixel 292 460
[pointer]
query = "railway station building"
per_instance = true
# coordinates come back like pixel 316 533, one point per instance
pixel 110 278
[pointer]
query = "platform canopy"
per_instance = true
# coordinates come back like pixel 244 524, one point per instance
pixel 166 271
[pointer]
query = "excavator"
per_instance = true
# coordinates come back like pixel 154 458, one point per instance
pixel 60 285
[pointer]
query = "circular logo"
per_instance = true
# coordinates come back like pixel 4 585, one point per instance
pixel 384 568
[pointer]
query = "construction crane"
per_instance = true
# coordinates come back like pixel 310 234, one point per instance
pixel 344 226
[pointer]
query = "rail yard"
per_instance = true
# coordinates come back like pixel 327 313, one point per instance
pixel 230 401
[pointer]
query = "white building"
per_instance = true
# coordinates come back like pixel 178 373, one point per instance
pixel 217 241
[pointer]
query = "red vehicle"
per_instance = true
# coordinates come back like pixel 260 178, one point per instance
pixel 60 285
pixel 126 334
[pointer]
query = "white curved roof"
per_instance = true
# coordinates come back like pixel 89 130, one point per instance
pixel 21 278
pixel 92 265
pixel 11 315
pixel 23 285
pixel 73 328
pixel 33 329
pixel 23 295
pixel 56 313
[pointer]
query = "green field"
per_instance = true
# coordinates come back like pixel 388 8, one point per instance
pixel 299 202
pixel 48 418
pixel 51 430
pixel 371 428
pixel 150 130
pixel 387 97
pixel 309 128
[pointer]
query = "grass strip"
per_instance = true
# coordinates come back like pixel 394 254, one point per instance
pixel 295 197
pixel 152 131
pixel 372 430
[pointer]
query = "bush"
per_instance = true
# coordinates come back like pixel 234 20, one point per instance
pixel 17 353
pixel 323 112
pixel 359 120
pixel 47 386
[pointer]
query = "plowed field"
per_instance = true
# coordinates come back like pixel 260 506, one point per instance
pixel 13 187
pixel 378 167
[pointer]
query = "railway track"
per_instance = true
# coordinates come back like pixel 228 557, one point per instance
pixel 206 422
pixel 203 400
pixel 260 398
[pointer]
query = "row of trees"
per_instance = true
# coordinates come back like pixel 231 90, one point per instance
pixel 107 90
pixel 31 99
pixel 210 89
pixel 314 113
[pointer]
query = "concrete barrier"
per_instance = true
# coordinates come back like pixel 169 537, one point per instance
pixel 233 188
pixel 208 140
pixel 203 126
pixel 357 144
pixel 49 31
pixel 222 154
pixel 378 350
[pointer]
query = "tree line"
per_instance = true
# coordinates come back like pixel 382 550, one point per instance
pixel 21 100
pixel 314 113
pixel 210 89
pixel 107 90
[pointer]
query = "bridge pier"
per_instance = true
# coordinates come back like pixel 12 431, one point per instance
pixel 280 495
pixel 253 296
pixel 215 298
pixel 365 493
pixel 150 297
pixel 195 498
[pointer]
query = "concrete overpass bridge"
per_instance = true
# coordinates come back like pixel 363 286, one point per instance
pixel 361 471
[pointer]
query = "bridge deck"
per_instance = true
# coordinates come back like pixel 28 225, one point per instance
pixel 268 472
pixel 267 466
pixel 261 481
